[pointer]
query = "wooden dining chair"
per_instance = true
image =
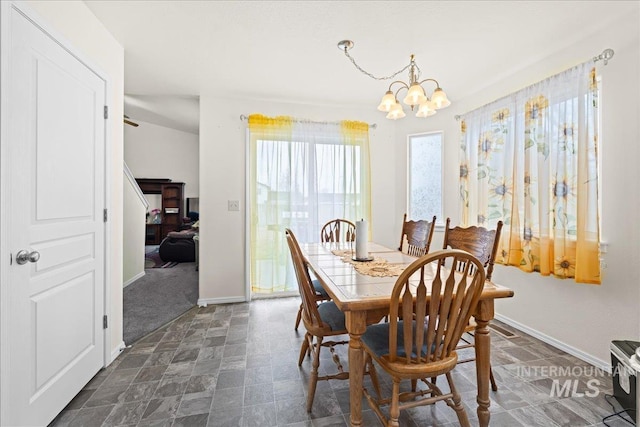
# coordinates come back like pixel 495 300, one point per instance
pixel 319 296
pixel 321 321
pixel 483 244
pixel 440 302
pixel 338 230
pixel 415 238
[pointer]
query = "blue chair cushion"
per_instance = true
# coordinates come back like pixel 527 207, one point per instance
pixel 332 316
pixel 319 289
pixel 376 338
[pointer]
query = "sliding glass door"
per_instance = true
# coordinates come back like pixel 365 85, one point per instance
pixel 300 179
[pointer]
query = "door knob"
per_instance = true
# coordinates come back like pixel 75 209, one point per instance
pixel 24 257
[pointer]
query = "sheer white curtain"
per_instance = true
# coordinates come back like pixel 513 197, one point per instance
pixel 531 161
pixel 302 174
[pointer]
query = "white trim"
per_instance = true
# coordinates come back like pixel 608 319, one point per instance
pixel 601 364
pixel 108 176
pixel 5 8
pixel 116 352
pixel 134 184
pixel 203 302
pixel 247 212
pixel 133 279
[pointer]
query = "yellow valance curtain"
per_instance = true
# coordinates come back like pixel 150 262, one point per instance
pixel 260 123
pixel 531 161
pixel 354 129
pixel 302 174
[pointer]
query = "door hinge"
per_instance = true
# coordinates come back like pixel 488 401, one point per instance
pixel 10 259
pixel 104 215
pixel 104 322
pixel 106 112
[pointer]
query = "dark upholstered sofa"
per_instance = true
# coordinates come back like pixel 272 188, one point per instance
pixel 178 246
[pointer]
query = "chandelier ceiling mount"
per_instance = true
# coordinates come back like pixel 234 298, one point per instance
pixel 416 95
pixel 345 44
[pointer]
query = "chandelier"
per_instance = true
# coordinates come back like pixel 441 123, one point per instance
pixel 416 95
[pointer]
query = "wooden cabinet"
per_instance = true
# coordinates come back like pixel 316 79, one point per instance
pixel 152 185
pixel 172 207
pixel 172 195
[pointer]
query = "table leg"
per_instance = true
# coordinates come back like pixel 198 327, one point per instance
pixel 356 325
pixel 483 359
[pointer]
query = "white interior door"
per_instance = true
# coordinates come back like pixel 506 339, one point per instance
pixel 54 337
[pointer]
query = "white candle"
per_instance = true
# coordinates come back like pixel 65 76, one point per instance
pixel 362 236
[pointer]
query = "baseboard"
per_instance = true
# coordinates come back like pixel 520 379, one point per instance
pixel 133 279
pixel 116 352
pixel 601 364
pixel 274 295
pixel 203 302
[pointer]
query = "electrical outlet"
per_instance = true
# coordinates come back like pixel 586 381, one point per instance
pixel 233 205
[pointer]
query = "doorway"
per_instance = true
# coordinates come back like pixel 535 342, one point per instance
pixel 161 150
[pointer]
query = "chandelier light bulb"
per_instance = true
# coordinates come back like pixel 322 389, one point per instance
pixel 387 102
pixel 426 109
pixel 439 99
pixel 415 95
pixel 396 112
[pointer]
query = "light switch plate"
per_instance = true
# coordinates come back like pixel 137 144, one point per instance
pixel 233 205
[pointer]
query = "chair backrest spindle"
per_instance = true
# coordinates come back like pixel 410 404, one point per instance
pixel 338 230
pixel 478 241
pixel 440 309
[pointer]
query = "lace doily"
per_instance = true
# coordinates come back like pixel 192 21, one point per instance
pixel 378 267
pixel 342 252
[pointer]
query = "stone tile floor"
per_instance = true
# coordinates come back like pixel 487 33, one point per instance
pixel 236 365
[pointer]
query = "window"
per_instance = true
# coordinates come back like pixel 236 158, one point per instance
pixel 425 176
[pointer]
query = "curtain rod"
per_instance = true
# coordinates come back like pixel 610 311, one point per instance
pixel 372 125
pixel 605 56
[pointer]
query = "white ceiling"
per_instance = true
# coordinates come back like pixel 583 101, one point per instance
pixel 286 50
pixel 172 111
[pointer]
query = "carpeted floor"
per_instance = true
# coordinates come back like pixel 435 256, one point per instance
pixel 152 258
pixel 157 298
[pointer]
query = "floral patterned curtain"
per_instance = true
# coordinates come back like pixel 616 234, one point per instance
pixel 531 160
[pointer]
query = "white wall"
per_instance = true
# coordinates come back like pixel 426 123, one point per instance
pixel 153 151
pixel 134 228
pixel 585 318
pixel 75 22
pixel 222 178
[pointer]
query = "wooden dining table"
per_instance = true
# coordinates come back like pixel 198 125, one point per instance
pixel 365 300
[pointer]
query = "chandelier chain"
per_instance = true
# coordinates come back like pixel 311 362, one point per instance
pixel 353 61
